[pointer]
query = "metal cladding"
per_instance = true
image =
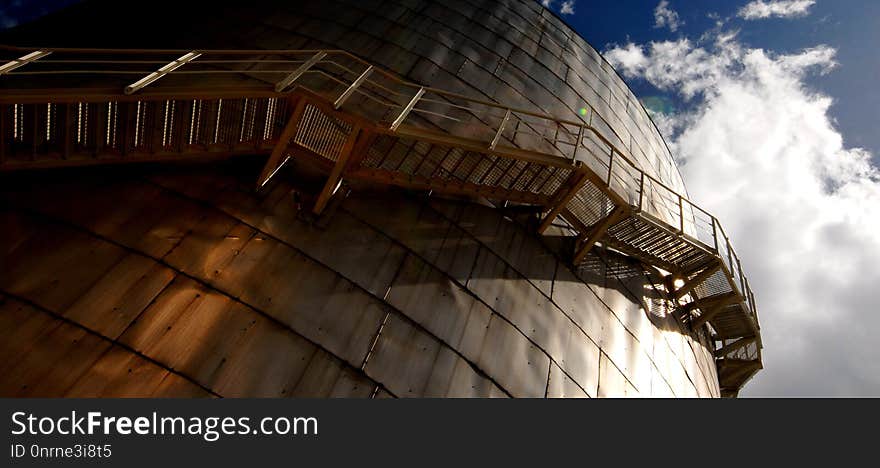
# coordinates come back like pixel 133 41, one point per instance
pixel 184 281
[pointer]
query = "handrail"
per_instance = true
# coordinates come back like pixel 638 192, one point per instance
pixel 324 56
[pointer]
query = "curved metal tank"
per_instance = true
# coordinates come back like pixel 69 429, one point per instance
pixel 184 282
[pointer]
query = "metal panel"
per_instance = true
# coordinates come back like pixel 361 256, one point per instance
pixel 579 302
pixel 314 301
pixel 191 329
pixel 411 363
pixel 423 294
pixel 42 356
pixel 56 266
pixel 342 243
pixel 327 376
pixel 612 383
pixel 117 298
pixel 513 362
pixel 466 45
pixel 121 374
pixel 560 386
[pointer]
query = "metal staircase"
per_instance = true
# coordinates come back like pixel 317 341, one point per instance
pixel 66 107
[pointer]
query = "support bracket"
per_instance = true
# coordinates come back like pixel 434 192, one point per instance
pixel 736 345
pixel 696 281
pixel 334 181
pixel 710 307
pixel 276 159
pixel 597 232
pixel 564 194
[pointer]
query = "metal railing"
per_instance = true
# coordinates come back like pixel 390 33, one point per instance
pixel 397 105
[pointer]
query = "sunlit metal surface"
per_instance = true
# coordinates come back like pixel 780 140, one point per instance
pixel 364 123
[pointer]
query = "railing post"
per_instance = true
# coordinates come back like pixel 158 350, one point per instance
pixel 715 234
pixel 681 214
pixel 406 110
pixel 641 190
pixel 747 292
pixel 500 130
pixel 729 253
pixel 351 89
pixel 174 65
pixel 283 84
pixel 22 61
pixel 577 144
pixel 610 163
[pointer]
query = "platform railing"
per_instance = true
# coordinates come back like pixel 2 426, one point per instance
pixel 362 89
pixel 399 103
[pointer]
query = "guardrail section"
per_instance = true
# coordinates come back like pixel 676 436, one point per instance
pixel 97 106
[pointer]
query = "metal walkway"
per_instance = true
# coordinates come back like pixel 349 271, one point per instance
pixel 69 107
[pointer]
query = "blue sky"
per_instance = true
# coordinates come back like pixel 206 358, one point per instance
pixel 769 107
pixel 852 27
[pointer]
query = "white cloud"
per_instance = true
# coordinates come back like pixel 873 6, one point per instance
pixel 758 148
pixel 759 9
pixel 666 17
pixel 567 7
pixel 546 3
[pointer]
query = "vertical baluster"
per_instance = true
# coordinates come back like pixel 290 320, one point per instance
pixel 500 132
pixel 729 254
pixel 715 234
pixel 100 126
pixel 556 137
pixel 641 190
pixel 124 130
pixel 742 283
pixel 183 109
pixel 261 105
pixel 235 121
pixel 577 143
pixel 66 133
pixel 155 127
pixel 681 213
pixel 610 163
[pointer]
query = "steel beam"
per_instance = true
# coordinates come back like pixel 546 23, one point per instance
pixel 334 181
pixel 597 232
pixel 564 194
pixel 710 307
pixel 275 160
pixel 451 187
pixel 696 281
pixel 736 345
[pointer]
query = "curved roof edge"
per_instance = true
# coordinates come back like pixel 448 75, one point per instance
pixel 625 83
